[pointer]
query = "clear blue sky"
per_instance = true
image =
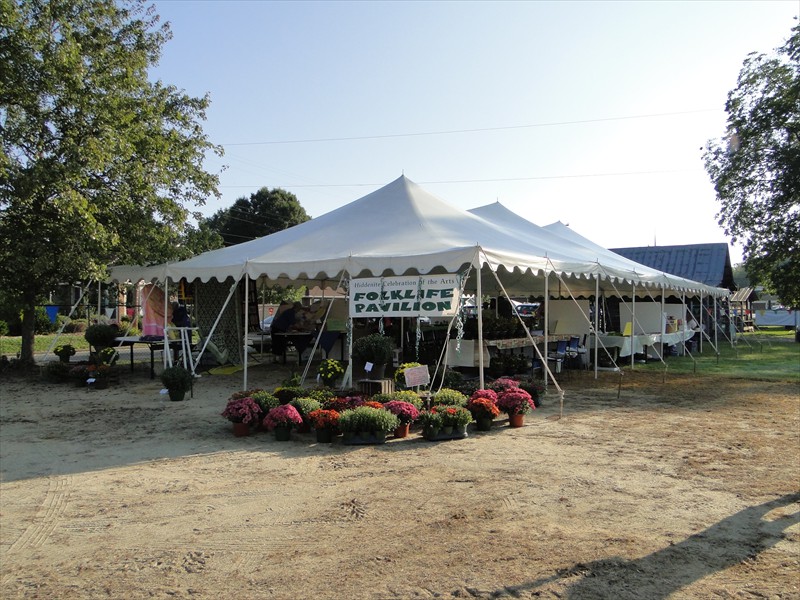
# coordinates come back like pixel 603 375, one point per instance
pixel 591 113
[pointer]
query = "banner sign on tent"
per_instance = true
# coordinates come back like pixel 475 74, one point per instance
pixel 427 295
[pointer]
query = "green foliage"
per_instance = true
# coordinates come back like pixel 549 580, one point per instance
pixel 100 335
pixel 3 328
pixel 367 418
pixel 285 394
pixel 265 400
pixel 264 212
pixel 374 348
pixel 407 396
pixel 756 168
pixel 450 397
pixel 99 164
pixel 64 351
pixel 56 372
pixel 305 405
pixel 176 378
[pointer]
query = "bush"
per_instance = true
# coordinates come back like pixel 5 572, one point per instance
pixel 265 400
pixel 450 397
pixel 366 418
pixel 101 336
pixel 288 393
pixel 76 326
pixel 177 379
pixel 375 348
pixel 3 328
pixel 305 406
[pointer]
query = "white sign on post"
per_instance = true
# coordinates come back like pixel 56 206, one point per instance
pixel 428 295
pixel 417 376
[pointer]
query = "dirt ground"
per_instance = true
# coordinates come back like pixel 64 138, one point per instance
pixel 689 489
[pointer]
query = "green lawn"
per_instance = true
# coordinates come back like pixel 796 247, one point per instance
pixel 767 354
pixel 10 346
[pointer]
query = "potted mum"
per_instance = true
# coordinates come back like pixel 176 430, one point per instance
pixel 454 421
pixel 281 419
pixel 178 381
pixel 325 423
pixel 329 371
pixel 449 397
pixel 515 402
pixel 242 412
pixel 431 422
pixel 483 407
pixel 405 412
pixel 305 406
pixel 366 425
pixel 64 352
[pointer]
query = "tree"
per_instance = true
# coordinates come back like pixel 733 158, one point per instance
pixel 98 164
pixel 265 212
pixel 756 167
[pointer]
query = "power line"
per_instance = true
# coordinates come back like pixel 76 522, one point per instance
pixel 534 178
pixel 474 130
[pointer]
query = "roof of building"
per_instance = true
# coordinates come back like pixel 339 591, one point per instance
pixel 746 294
pixel 707 263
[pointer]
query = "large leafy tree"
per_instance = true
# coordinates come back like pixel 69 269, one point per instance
pixel 264 212
pixel 756 168
pixel 99 165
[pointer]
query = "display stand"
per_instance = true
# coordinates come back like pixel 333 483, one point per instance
pixel 370 387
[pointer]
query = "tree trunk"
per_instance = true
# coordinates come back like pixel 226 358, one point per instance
pixel 28 329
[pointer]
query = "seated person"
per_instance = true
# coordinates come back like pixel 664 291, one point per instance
pixel 180 316
pixel 284 322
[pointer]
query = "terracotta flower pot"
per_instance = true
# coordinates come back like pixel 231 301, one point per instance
pixel 516 420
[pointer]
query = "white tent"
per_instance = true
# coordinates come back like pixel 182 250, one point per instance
pixel 400 229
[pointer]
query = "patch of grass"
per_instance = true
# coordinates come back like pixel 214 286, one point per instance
pixel 774 356
pixel 11 346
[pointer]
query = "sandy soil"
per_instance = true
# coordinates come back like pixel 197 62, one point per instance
pixel 683 490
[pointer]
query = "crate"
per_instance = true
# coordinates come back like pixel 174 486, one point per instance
pixel 376 386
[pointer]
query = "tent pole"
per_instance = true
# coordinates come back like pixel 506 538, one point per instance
pixel 479 304
pixel 633 320
pixel 546 325
pixel 596 321
pixel 166 323
pixel 245 323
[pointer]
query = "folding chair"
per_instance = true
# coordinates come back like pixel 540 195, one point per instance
pixel 558 356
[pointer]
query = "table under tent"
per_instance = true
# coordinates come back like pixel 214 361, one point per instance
pixel 400 230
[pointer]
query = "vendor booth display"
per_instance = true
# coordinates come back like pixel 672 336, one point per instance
pixel 400 231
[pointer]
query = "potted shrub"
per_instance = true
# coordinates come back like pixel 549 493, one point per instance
pixel 100 335
pixel 406 413
pixel 376 349
pixel 515 402
pixel 325 423
pixel 178 381
pixel 483 407
pixel 449 397
pixel 366 425
pixel 64 352
pixel 281 419
pixel 242 412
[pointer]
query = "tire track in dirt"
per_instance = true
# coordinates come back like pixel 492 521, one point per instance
pixel 48 517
